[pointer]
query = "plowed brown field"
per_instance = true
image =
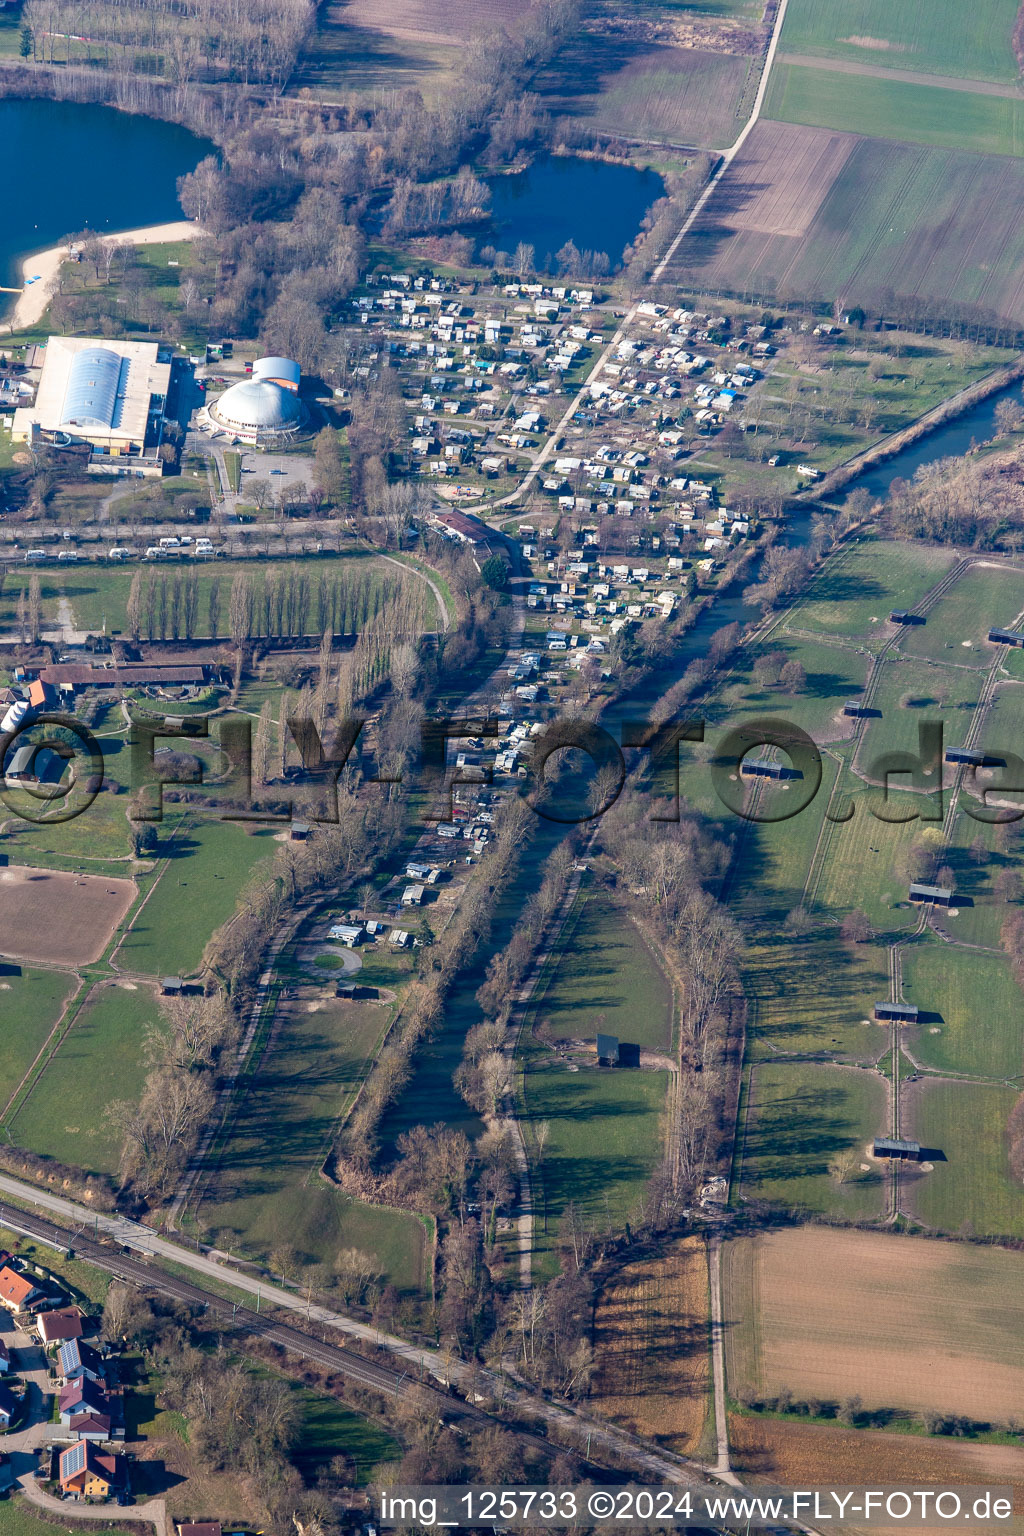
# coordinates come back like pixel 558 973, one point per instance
pixel 651 1346
pixel 901 1322
pixel 59 919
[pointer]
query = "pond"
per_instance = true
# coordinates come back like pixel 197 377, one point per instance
pixel 70 166
pixel 597 205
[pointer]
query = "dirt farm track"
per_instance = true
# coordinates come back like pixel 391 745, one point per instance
pixel 52 918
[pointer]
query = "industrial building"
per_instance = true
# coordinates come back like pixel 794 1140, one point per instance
pixel 110 395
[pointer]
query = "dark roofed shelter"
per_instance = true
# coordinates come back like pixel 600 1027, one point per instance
pixel 172 986
pixel 761 768
pixel 904 616
pixel 897 1013
pixel 608 1050
pixel 966 755
pixel 938 895
pixel 899 1151
pixel 1005 637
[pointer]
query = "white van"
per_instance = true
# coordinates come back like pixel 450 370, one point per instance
pixel 170 542
pixel 35 554
pixel 119 553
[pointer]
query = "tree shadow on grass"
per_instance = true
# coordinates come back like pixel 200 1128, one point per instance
pixel 795 1136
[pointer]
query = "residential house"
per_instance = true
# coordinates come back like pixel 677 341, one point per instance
pixel 81 1397
pixel 9 1405
pixel 17 1292
pixel 96 1474
pixel 77 1362
pixel 91 1426
pixel 58 1326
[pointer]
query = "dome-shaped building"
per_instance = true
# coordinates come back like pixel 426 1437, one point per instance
pixel 260 410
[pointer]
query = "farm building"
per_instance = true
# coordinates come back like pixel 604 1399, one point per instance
pixel 34 764
pixel 608 1050
pixel 761 768
pixel 172 986
pixel 966 755
pixel 132 674
pixel 903 616
pixel 937 895
pixel 1005 637
pixel 855 709
pixel 899 1151
pixel 896 1013
pixel 17 714
pixel 354 992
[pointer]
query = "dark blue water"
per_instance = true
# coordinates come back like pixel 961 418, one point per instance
pixel 598 206
pixel 976 425
pixel 69 167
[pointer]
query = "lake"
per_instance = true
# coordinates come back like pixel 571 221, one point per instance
pixel 69 166
pixel 597 205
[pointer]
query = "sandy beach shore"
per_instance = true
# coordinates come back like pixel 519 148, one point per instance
pixel 45 265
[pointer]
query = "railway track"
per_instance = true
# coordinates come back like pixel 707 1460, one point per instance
pixel 599 1449
pixel 150 1277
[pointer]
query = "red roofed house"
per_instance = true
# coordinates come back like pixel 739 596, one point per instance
pixel 58 1326
pixel 85 1470
pixel 41 695
pixel 91 1426
pixel 80 1397
pixel 16 1291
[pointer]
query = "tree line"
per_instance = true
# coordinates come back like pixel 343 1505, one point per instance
pixel 280 603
